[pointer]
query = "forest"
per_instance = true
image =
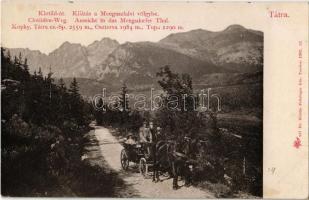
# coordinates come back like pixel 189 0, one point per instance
pixel 43 125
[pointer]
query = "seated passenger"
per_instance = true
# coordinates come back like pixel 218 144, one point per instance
pixel 130 139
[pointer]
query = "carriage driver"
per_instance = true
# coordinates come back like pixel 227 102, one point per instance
pixel 145 137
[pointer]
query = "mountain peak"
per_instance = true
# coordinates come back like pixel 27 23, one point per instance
pixel 67 44
pixel 186 35
pixel 106 39
pixel 199 31
pixel 235 27
pixel 104 42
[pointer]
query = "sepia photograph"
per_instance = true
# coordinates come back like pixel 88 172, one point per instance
pixel 127 103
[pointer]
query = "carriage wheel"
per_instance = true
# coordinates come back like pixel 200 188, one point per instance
pixel 143 167
pixel 165 174
pixel 124 159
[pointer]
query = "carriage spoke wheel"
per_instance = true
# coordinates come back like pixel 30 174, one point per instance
pixel 143 167
pixel 181 181
pixel 124 159
pixel 165 174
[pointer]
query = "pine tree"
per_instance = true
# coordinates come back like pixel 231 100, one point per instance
pixel 5 62
pixel 20 58
pixel 124 103
pixel 76 103
pixel 2 53
pixel 49 80
pixel 16 60
pixel 25 65
pixel 40 73
pixel 74 89
pixel 49 75
pixel 62 84
pixel 9 56
pixel 62 92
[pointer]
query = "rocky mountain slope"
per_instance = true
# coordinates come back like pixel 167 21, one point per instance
pixel 138 63
pixel 198 52
pixel 236 48
pixel 69 60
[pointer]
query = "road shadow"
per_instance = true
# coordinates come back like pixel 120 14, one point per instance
pixel 110 180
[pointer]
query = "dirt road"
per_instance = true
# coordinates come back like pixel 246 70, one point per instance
pixel 110 149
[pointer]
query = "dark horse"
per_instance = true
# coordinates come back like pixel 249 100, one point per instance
pixel 176 159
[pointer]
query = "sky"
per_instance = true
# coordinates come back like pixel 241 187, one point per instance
pixel 197 15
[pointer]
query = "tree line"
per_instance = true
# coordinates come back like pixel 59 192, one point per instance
pixel 42 129
pixel 37 98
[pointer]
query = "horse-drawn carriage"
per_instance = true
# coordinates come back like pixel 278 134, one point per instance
pixel 137 154
pixel 168 161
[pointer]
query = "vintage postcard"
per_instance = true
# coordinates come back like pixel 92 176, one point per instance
pixel 154 99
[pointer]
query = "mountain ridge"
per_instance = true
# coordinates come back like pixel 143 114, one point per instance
pixel 197 52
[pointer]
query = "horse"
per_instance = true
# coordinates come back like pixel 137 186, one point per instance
pixel 162 159
pixel 176 159
pixel 184 159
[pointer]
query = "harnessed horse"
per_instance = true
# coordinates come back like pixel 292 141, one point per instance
pixel 176 159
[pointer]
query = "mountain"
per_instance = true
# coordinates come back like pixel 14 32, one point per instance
pixel 235 48
pixel 99 50
pixel 211 58
pixel 35 58
pixel 137 63
pixel 70 59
